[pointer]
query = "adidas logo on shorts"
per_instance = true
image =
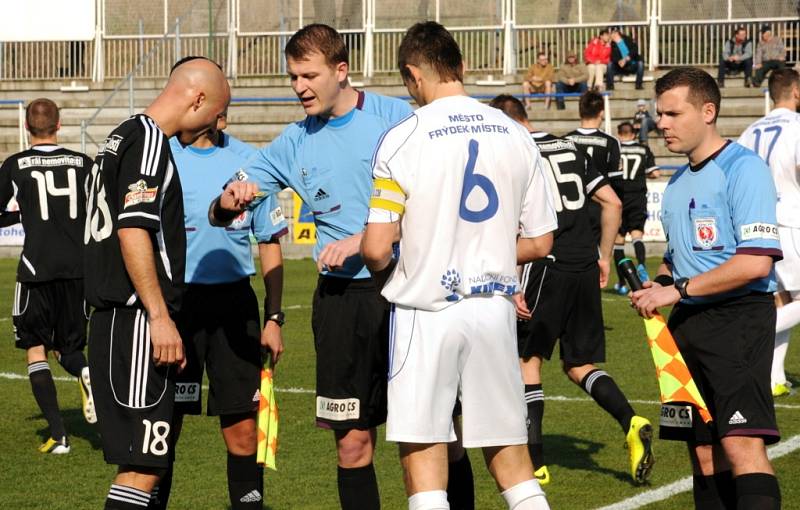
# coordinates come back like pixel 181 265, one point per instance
pixel 737 418
pixel 251 497
pixel 321 195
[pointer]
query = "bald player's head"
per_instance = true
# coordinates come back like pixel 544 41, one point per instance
pixel 196 94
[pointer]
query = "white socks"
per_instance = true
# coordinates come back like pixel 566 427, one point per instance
pixel 778 357
pixel 429 500
pixel 527 495
pixel 788 316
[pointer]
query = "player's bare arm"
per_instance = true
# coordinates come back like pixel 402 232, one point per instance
pixel 610 218
pixel 335 253
pixel 233 200
pixel 376 249
pixel 271 259
pixel 532 248
pixel 137 253
pixel 734 273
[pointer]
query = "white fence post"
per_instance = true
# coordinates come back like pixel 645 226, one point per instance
pixel 368 7
pixel 21 121
pixel 653 57
pixel 509 57
pixel 98 64
pixel 607 108
pixel 233 38
pixel 766 101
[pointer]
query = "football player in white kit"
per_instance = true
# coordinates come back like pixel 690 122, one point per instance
pixel 460 185
pixel 776 138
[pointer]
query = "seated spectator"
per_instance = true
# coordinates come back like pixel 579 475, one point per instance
pixel 596 55
pixel 642 122
pixel 571 77
pixel 539 79
pixel 625 59
pixel 737 55
pixel 770 54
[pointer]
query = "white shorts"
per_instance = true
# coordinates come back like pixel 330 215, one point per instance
pixel 468 350
pixel 788 269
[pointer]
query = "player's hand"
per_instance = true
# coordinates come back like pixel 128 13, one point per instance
pixel 334 254
pixel 238 195
pixel 652 296
pixel 167 343
pixel 605 269
pixel 272 341
pixel 621 62
pixel 523 313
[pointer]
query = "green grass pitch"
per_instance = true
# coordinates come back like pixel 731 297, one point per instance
pixel 584 446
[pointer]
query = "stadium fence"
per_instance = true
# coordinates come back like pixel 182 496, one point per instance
pixel 496 36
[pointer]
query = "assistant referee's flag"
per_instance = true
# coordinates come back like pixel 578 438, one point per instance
pixel 674 379
pixel 267 419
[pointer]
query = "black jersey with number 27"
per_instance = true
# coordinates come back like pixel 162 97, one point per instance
pixel 48 184
pixel 133 184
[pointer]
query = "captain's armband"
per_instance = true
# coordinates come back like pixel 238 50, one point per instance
pixel 387 195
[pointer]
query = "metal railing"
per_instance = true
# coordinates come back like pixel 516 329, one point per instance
pixel 502 40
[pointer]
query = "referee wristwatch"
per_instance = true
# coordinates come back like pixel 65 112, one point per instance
pixel 278 317
pixel 681 284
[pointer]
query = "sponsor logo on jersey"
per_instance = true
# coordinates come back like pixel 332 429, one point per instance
pixel 49 161
pixel 276 216
pixel 759 231
pixel 187 392
pixel 111 145
pixel 241 175
pixel 450 281
pixel 338 409
pixel 251 497
pixel 257 395
pixel 140 194
pixel 321 195
pixel 705 232
pixel 676 416
pixel 737 419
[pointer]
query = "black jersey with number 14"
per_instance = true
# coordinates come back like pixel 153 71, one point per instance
pixel 572 182
pixel 133 184
pixel 48 184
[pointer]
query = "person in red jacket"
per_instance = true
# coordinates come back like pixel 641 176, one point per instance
pixel 596 55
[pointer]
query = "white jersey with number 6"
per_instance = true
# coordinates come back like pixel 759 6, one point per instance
pixel 464 180
pixel 776 138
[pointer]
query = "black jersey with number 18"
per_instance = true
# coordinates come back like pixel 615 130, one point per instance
pixel 133 184
pixel 48 184
pixel 572 181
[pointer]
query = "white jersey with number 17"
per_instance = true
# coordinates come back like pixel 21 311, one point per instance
pixel 464 180
pixel 776 138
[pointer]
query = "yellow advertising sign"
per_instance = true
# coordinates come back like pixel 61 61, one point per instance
pixel 303 229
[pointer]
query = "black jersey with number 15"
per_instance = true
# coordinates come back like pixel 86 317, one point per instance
pixel 572 182
pixel 48 184
pixel 133 184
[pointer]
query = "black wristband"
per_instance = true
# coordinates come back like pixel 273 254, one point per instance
pixel 223 215
pixel 664 280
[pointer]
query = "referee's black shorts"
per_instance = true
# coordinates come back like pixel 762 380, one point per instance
pixel 350 321
pixel 566 309
pixel 220 329
pixel 634 211
pixel 53 314
pixel 728 348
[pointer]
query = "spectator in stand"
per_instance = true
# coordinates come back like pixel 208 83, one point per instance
pixel 596 55
pixel 737 55
pixel 539 79
pixel 571 77
pixel 770 54
pixel 625 59
pixel 642 121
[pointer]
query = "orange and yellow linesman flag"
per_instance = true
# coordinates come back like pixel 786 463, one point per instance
pixel 267 419
pixel 675 382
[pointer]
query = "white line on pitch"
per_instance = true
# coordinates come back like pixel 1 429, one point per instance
pixel 295 389
pixel 685 484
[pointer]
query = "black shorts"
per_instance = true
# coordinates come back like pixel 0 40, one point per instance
pixel 566 308
pixel 52 314
pixel 133 397
pixel 350 321
pixel 634 211
pixel 728 348
pixel 220 329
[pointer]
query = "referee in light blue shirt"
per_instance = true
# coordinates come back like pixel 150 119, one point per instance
pixel 722 238
pixel 219 320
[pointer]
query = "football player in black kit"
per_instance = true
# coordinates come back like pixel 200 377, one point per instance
pixel 562 296
pixel 49 310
